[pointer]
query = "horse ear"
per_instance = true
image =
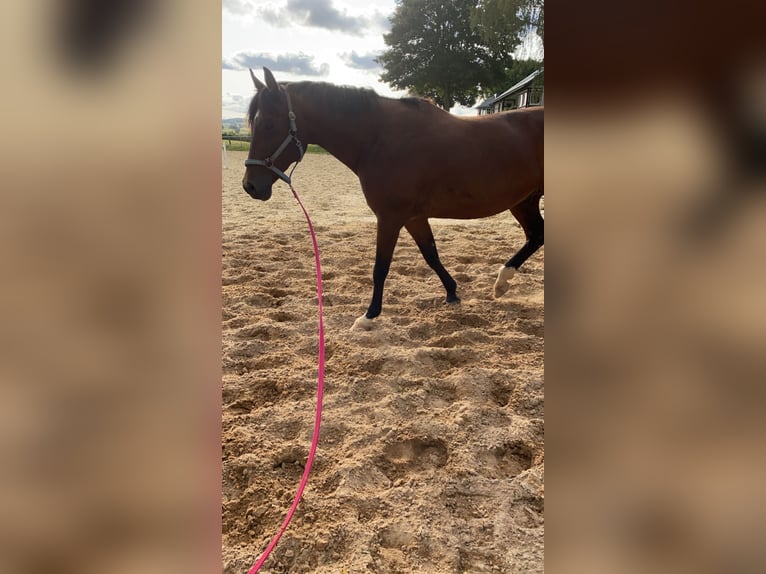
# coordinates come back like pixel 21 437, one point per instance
pixel 270 81
pixel 258 84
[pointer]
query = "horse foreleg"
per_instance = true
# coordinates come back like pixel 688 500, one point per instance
pixel 528 215
pixel 421 232
pixel 388 234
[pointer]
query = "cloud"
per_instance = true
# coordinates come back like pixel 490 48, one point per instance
pixel 235 104
pixel 381 21
pixel 364 62
pixel 322 14
pixel 241 7
pixel 298 64
pixel 275 16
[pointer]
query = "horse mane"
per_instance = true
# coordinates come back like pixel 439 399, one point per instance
pixel 417 101
pixel 252 110
pixel 349 100
pixel 338 99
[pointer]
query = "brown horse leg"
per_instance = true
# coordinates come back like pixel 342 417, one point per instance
pixel 528 215
pixel 388 234
pixel 424 237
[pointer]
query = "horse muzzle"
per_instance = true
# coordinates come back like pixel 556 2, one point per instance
pixel 262 192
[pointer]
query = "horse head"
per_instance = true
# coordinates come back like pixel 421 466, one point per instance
pixel 274 144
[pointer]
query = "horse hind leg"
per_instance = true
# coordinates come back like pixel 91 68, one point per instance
pixel 421 232
pixel 528 215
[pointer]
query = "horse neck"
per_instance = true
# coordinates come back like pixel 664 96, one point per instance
pixel 346 138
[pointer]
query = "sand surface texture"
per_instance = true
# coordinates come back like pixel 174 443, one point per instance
pixel 431 450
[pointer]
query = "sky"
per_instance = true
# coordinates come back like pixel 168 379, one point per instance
pixel 321 40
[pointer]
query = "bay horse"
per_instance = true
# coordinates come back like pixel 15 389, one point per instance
pixel 414 161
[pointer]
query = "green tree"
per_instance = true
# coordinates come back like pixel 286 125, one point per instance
pixel 502 23
pixel 435 51
pixel 537 17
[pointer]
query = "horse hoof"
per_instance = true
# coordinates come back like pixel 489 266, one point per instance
pixel 362 324
pixel 453 299
pixel 502 285
pixel 501 289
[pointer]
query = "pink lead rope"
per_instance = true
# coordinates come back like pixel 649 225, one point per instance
pixel 320 393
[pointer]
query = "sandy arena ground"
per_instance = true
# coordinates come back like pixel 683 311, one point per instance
pixel 431 454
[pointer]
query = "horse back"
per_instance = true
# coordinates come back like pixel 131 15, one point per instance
pixel 433 163
pixel 515 135
pixel 529 124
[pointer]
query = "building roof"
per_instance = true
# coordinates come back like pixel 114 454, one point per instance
pixel 486 103
pixel 518 86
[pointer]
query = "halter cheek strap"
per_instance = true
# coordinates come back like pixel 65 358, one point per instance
pixel 292 136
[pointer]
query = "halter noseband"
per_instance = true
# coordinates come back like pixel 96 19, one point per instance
pixel 268 163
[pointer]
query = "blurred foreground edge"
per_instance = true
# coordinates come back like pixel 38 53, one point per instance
pixel 110 298
pixel 657 318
